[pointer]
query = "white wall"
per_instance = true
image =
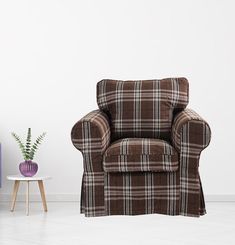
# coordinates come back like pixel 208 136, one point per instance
pixel 52 53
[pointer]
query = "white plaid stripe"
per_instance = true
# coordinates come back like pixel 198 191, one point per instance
pixel 125 163
pixel 137 109
pixel 149 193
pixel 158 122
pixel 119 106
pixel 172 193
pixel 175 92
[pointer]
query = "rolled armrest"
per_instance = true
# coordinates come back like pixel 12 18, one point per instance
pixel 190 135
pixel 190 131
pixel 91 134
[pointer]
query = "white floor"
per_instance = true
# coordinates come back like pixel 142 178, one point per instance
pixel 64 225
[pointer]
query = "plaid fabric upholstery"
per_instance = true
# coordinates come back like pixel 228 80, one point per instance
pixel 142 108
pixel 140 154
pixel 91 135
pixel 190 135
pixel 142 193
pixel 92 197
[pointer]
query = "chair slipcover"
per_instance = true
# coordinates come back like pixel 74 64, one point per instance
pixel 141 150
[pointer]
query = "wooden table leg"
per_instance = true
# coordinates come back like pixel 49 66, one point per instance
pixel 27 197
pixel 14 194
pixel 43 196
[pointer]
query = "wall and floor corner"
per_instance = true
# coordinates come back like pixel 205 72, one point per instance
pixel 52 54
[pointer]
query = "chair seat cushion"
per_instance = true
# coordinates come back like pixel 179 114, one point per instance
pixel 140 154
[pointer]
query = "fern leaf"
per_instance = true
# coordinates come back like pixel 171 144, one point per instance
pixel 35 145
pixel 21 145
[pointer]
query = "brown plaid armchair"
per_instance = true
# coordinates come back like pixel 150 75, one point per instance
pixel 141 150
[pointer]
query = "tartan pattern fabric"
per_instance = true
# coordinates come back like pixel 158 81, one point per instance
pixel 142 108
pixel 111 185
pixel 91 135
pixel 140 154
pixel 92 197
pixel 142 193
pixel 190 135
pixel 198 128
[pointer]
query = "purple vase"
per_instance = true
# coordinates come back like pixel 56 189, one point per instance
pixel 28 168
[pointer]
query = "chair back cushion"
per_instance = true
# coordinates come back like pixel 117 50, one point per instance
pixel 142 108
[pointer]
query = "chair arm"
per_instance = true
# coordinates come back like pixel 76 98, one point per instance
pixel 91 134
pixel 190 135
pixel 190 131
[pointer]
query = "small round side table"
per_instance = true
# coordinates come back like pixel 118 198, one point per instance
pixel 18 179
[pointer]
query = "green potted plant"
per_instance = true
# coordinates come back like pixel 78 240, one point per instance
pixel 28 168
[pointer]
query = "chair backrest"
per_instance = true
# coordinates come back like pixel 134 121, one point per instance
pixel 142 108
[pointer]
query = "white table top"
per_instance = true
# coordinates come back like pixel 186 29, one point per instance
pixel 22 178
